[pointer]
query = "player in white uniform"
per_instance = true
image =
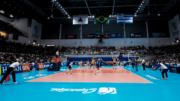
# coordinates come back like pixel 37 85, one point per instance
pixel 10 70
pixel 70 67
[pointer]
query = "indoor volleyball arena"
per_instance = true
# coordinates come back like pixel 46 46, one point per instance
pixel 89 50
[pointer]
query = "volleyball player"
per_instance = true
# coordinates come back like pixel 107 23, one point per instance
pixel 114 62
pixel 118 63
pixel 136 64
pixel 132 63
pixel 92 63
pixel 120 57
pixel 97 63
pixel 101 62
pixel 70 67
pixel 86 65
pixel 11 70
pixel 68 62
pixel 80 65
pixel 124 64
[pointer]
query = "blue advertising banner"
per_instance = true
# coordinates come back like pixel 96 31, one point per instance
pixel 46 65
pixel 64 63
pixel 119 35
pixel 113 35
pixel 5 67
pixel 116 35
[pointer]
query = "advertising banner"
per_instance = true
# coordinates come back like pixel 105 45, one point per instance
pixel 41 66
pixel 71 36
pixel 174 27
pixel 116 35
pixel 158 35
pixel 88 36
pixel 103 35
pixel 136 35
pixel 46 65
pixel 26 67
pixel 5 67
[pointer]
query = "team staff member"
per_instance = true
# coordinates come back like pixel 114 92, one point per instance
pixel 10 70
pixel 143 64
pixel 164 70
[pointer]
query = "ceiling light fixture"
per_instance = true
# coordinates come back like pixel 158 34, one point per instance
pixel 59 7
pixel 11 16
pixel 1 11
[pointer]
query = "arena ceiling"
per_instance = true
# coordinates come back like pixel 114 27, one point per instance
pixel 41 10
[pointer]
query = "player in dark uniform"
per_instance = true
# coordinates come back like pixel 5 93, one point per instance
pixel 101 63
pixel 70 67
pixel 97 63
pixel 120 57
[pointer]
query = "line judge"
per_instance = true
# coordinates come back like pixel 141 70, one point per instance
pixel 11 70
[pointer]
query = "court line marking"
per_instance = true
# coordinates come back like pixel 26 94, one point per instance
pixel 91 82
pixel 139 76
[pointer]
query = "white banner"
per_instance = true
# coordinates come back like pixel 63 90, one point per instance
pixel 80 19
pixel 124 18
pixel 174 27
pixel 36 29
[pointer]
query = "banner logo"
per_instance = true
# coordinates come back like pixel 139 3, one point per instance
pixel 41 66
pixel 26 67
pixel 80 20
pixel 105 90
pixel 102 90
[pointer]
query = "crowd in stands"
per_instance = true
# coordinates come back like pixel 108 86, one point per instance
pixel 169 59
pixel 101 50
pixel 9 51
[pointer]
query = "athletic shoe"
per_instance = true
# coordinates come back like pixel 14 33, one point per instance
pixel 162 78
pixel 15 82
pixel 166 77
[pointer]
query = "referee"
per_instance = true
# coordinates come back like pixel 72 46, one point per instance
pixel 11 70
pixel 143 64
